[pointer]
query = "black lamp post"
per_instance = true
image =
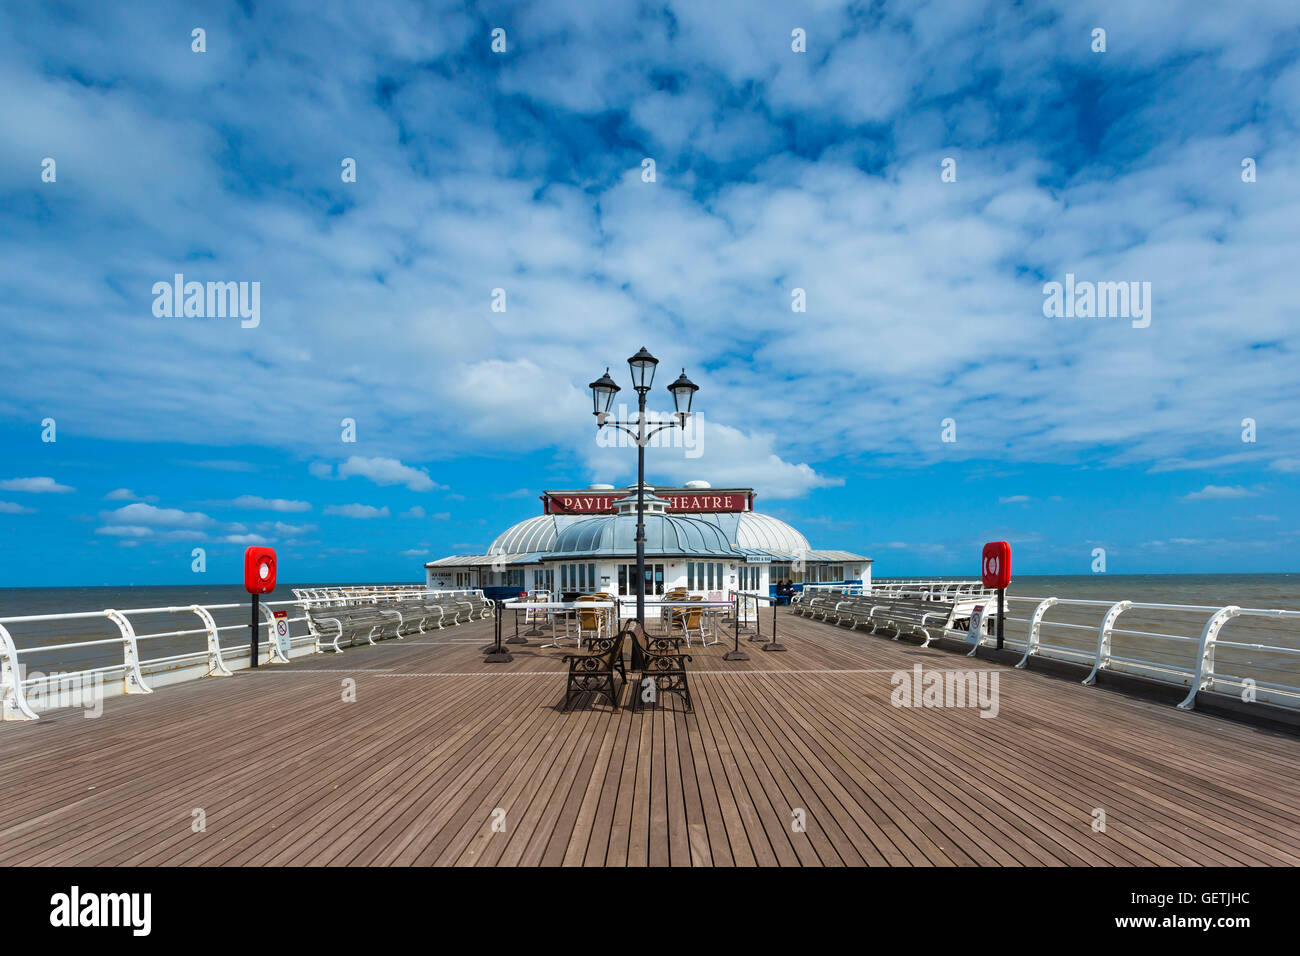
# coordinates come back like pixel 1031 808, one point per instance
pixel 603 390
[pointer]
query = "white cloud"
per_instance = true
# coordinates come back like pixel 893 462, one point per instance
pixel 222 464
pixel 11 508
pixel 357 511
pixel 283 530
pixel 387 471
pixel 126 494
pixel 255 502
pixel 243 539
pixel 36 486
pixel 1215 492
pixel 416 512
pixel 1014 499
pixel 892 260
pixel 140 513
pixel 125 531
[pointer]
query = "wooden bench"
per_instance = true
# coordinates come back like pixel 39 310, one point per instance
pixel 333 625
pixel 913 617
pixel 593 671
pixel 662 662
pixel 810 606
pixel 352 623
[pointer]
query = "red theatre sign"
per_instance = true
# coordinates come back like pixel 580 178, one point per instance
pixel 577 503
pixel 995 566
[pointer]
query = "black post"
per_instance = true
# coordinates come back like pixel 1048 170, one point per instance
pixel 517 639
pixel 736 654
pixel 1001 609
pixel 774 644
pixel 252 632
pixel 496 653
pixel 640 511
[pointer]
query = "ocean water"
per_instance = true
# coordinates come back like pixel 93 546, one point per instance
pixel 1074 627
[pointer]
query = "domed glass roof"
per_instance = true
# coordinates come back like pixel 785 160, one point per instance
pixel 665 535
pixel 707 533
pixel 535 534
pixel 769 534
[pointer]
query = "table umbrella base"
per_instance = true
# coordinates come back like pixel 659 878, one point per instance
pixel 774 646
pixel 735 656
pixel 499 657
pixel 517 640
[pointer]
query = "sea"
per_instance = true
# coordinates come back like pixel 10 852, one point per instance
pixel 1067 626
pixel 1247 590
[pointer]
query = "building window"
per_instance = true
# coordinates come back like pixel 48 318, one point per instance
pixel 654 579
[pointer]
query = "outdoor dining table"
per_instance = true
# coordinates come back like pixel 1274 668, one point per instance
pixel 550 606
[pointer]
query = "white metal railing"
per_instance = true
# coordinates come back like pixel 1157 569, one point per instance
pixel 933 590
pixel 376 594
pixel 22 693
pixel 842 588
pixel 1198 670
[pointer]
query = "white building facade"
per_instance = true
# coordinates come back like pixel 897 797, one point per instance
pixel 709 541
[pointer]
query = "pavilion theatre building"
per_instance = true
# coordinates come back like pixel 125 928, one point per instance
pixel 708 540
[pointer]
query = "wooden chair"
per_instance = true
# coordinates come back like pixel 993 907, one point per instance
pixel 693 620
pixel 671 616
pixel 590 620
pixel 593 672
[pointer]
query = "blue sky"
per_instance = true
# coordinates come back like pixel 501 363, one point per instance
pixel 775 170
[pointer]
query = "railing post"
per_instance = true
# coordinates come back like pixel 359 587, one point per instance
pixel 132 679
pixel 216 666
pixel 1035 626
pixel 1103 638
pixel 13 703
pixel 1203 677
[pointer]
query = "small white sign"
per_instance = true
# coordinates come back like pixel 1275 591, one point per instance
pixel 282 630
pixel 976 625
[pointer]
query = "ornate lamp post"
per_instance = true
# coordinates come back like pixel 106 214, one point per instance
pixel 603 391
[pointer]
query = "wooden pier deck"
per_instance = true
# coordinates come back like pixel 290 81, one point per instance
pixel 439 746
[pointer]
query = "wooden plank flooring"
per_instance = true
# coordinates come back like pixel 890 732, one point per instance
pixel 439 746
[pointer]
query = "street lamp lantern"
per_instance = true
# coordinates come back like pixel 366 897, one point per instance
pixel 643 370
pixel 683 392
pixel 603 391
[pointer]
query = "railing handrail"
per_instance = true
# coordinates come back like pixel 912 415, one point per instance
pixel 13 696
pixel 1200 675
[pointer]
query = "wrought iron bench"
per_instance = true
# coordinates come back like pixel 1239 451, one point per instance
pixel 661 660
pixel 593 671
